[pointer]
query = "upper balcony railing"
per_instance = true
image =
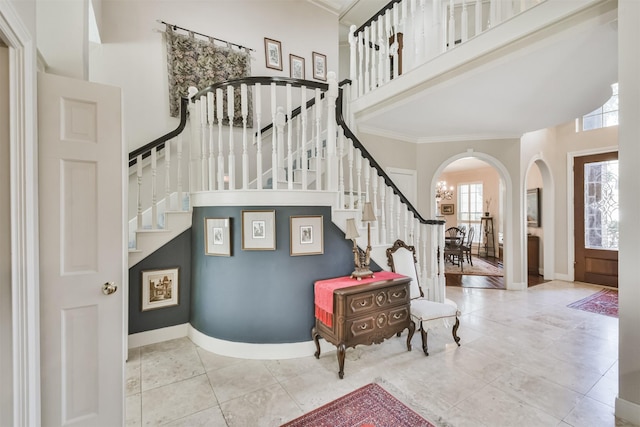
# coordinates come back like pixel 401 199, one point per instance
pixel 408 33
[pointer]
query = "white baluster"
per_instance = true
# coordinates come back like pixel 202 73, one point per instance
pixel 258 111
pixel 204 142
pixel 289 140
pixel 244 102
pixel 425 35
pixel 179 174
pixel 154 192
pixel 374 54
pixel 464 22
pixel 304 163
pixel 398 205
pixel 274 142
pixel 452 26
pixel 383 42
pixel 478 17
pixel 383 216
pixel 361 63
pixel 427 262
pixel 279 123
pixel 360 203
pixel 211 160
pixel 406 28
pixel 353 71
pixel 350 160
pixel 367 66
pixel 405 224
pixel 412 230
pixel 331 95
pixel 374 201
pixel 139 195
pixel 367 180
pixel 232 155
pixel 167 177
pixel 390 49
pixel 318 168
pixel 341 169
pixel 220 115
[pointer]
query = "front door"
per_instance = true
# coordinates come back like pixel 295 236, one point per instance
pixel 82 252
pixel 596 218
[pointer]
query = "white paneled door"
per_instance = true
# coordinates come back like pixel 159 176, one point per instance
pixel 82 247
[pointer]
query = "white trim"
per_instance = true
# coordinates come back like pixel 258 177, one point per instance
pixel 370 130
pixel 24 218
pixel 413 197
pixel 257 351
pixel 571 241
pixel 627 410
pixel 565 277
pixel 158 335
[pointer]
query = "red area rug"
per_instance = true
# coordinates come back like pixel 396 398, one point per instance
pixel 603 302
pixel 367 406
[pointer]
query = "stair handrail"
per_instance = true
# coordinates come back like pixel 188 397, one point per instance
pixel 358 145
pixel 279 81
pixel 376 16
pixel 158 143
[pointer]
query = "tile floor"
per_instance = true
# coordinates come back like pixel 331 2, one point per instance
pixel 525 360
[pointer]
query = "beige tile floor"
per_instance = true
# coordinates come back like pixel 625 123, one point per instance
pixel 525 360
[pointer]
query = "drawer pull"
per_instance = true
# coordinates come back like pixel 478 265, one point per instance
pixel 398 315
pixel 363 303
pixel 363 327
pixel 397 294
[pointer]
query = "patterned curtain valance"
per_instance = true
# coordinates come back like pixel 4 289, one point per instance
pixel 200 63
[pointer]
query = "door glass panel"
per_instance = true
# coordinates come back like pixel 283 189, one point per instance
pixel 601 205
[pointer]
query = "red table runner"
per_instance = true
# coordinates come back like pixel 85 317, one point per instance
pixel 324 292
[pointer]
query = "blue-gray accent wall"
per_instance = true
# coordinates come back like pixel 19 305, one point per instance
pixel 262 296
pixel 176 253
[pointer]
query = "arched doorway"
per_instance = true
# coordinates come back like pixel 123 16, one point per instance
pixel 539 182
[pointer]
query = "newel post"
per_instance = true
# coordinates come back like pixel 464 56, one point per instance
pixel 332 169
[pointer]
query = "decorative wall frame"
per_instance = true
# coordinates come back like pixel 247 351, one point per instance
pixel 306 236
pixel 447 209
pixel 319 66
pixel 273 54
pixel 296 67
pixel 533 207
pixel 259 230
pixel 160 288
pixel 217 236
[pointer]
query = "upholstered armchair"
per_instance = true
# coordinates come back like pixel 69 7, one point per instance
pixel 425 313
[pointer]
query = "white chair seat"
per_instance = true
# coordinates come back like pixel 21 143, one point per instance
pixel 424 309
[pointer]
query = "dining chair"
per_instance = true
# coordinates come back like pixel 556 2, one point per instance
pixel 466 247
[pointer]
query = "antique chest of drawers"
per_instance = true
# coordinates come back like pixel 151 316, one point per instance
pixel 366 314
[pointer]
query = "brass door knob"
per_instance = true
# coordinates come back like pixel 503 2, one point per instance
pixel 109 288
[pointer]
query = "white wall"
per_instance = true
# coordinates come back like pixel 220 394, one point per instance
pixel 132 55
pixel 6 369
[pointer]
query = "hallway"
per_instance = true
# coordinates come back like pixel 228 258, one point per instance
pixel 526 360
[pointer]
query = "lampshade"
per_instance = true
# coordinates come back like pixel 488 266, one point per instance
pixel 352 231
pixel 367 213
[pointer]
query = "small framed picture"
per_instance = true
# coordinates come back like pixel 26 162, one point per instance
pixel 160 288
pixel 306 236
pixel 296 67
pixel 273 54
pixel 447 209
pixel 319 66
pixel 533 207
pixel 258 230
pixel 217 236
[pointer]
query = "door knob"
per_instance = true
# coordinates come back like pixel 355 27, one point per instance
pixel 109 288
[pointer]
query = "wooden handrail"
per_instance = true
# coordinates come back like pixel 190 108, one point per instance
pixel 145 150
pixel 358 145
pixel 376 16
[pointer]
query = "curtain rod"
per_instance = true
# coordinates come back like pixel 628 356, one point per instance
pixel 175 27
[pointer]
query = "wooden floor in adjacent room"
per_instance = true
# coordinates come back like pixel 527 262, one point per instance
pixel 487 282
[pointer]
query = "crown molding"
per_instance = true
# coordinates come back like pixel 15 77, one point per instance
pixel 434 139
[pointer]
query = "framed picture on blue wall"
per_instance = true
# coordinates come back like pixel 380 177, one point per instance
pixel 160 288
pixel 259 230
pixel 306 235
pixel 217 236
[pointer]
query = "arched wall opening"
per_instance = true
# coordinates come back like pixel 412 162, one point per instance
pixel 546 231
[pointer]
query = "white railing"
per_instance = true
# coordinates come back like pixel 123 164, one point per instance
pixel 309 149
pixel 408 33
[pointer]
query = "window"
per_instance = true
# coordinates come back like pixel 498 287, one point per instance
pixel 604 116
pixel 470 206
pixel 601 205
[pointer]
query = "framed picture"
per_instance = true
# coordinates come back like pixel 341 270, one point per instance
pixel 447 209
pixel 160 288
pixel 296 67
pixel 306 236
pixel 273 54
pixel 258 230
pixel 319 66
pixel 533 207
pixel 217 236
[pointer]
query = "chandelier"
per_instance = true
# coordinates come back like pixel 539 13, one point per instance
pixel 442 192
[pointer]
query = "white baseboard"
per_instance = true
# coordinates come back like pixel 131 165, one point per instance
pixel 627 410
pixel 257 351
pixel 565 277
pixel 517 286
pixel 158 335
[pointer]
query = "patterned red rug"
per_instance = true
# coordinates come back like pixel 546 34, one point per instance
pixel 603 302
pixel 367 406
